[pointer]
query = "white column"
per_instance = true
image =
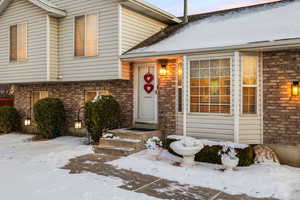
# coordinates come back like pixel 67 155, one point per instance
pixel 185 94
pixel 236 96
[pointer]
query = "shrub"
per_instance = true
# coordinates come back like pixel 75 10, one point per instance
pixel 9 119
pixel 209 154
pixel 49 115
pixel 103 114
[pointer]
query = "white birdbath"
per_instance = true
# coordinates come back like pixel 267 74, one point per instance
pixel 188 148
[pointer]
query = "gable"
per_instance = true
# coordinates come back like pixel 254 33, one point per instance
pixel 43 4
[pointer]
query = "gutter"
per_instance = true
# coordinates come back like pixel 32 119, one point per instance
pixel 152 8
pixel 265 45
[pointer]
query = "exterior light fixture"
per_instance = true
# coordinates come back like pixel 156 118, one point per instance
pixel 78 122
pixel 163 67
pixel 27 121
pixel 295 88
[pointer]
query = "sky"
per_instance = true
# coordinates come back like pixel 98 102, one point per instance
pixel 198 6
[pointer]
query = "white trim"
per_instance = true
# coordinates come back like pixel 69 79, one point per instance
pixel 261 65
pixel 48 48
pixel 120 35
pixel 185 93
pixel 258 46
pixel 236 95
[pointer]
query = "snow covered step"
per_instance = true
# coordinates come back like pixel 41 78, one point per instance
pixel 112 150
pixel 135 134
pixel 122 142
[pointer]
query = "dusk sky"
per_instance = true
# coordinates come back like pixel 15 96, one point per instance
pixel 198 6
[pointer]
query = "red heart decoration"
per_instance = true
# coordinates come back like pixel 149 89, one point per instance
pixel 148 88
pixel 148 77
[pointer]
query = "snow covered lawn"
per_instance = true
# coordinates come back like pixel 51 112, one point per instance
pixel 31 171
pixel 282 182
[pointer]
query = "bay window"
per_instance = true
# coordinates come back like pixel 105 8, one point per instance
pixel 210 86
pixel 18 42
pixel 249 84
pixel 86 35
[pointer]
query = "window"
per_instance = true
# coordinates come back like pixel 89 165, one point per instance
pixel 210 86
pixel 249 69
pixel 18 42
pixel 90 95
pixel 86 35
pixel 38 95
pixel 179 87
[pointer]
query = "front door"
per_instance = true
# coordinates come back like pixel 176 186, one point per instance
pixel 146 93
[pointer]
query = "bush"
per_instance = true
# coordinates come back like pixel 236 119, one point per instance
pixel 9 119
pixel 103 114
pixel 209 154
pixel 49 115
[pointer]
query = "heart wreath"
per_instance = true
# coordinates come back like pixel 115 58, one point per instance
pixel 148 77
pixel 148 87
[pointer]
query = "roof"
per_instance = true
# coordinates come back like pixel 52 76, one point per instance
pixel 151 11
pixel 238 26
pixel 43 4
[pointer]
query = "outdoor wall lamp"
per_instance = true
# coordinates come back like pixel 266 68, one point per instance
pixel 163 67
pixel 295 88
pixel 27 121
pixel 78 122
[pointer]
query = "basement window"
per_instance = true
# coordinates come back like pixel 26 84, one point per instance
pixel 90 95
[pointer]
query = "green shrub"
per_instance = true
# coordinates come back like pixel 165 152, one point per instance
pixel 209 154
pixel 9 119
pixel 103 114
pixel 49 115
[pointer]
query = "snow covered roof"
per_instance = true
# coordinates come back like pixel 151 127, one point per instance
pixel 44 4
pixel 255 24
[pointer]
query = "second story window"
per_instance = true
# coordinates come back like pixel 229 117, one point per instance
pixel 86 35
pixel 18 42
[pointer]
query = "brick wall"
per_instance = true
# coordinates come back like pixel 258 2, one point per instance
pixel 167 101
pixel 281 110
pixel 72 95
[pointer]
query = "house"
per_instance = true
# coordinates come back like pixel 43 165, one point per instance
pixel 225 75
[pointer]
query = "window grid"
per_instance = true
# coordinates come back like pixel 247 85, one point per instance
pixel 210 89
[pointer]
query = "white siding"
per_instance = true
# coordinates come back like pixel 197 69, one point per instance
pixel 35 68
pixel 102 67
pixel 53 49
pixel 136 28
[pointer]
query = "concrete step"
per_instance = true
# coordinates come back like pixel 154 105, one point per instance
pixel 121 142
pixel 135 134
pixel 112 150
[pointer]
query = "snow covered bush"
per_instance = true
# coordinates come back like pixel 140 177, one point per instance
pixel 101 115
pixel 154 143
pixel 9 119
pixel 228 152
pixel 210 152
pixel 49 115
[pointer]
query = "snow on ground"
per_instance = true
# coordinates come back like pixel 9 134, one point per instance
pixel 276 181
pixel 267 23
pixel 31 171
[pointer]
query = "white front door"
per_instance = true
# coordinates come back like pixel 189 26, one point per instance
pixel 146 93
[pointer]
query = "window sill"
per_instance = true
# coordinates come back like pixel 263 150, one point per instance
pixel 85 57
pixel 18 62
pixel 211 114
